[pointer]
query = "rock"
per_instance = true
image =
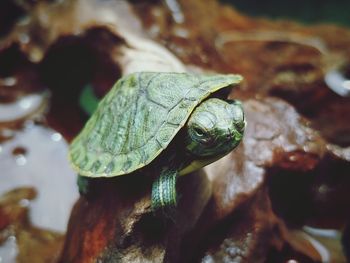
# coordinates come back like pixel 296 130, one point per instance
pixel 124 228
pixel 246 235
pixel 116 222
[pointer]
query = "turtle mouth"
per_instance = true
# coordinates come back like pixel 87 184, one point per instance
pixel 236 136
pixel 240 124
pixel 237 131
pixel 241 128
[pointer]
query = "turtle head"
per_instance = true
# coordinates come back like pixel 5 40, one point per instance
pixel 215 128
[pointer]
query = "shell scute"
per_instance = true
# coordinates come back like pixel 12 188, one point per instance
pixel 109 168
pixel 165 133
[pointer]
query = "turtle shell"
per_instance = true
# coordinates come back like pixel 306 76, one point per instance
pixel 137 120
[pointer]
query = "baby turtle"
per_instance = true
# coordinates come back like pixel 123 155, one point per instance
pixel 148 112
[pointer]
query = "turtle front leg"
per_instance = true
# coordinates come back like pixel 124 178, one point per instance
pixel 164 191
pixel 83 185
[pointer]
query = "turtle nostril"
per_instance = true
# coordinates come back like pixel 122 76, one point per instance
pixel 229 135
pixel 241 126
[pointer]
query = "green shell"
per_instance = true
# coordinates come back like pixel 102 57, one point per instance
pixel 137 120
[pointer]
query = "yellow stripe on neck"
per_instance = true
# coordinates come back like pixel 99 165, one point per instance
pixel 197 164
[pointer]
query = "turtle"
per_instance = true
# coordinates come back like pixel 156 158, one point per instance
pixel 168 123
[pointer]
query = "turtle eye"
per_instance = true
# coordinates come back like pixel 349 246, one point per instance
pixel 202 136
pixel 199 132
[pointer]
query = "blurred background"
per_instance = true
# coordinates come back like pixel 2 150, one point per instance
pixel 58 58
pixel 308 11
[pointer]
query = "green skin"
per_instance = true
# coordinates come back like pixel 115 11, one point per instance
pixel 214 129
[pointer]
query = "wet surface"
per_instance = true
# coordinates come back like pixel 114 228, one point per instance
pixel 28 162
pixel 37 188
pixel 37 192
pixel 20 240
